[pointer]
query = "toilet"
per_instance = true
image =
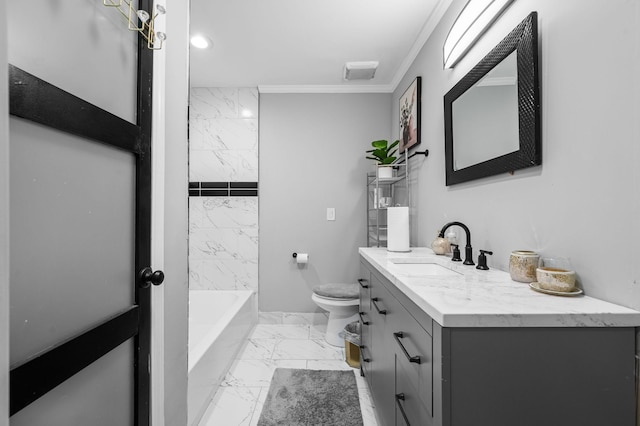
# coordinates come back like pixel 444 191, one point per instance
pixel 342 302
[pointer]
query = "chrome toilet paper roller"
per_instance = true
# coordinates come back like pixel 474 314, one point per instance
pixel 301 258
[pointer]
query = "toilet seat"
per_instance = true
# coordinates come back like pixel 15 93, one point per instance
pixel 335 301
pixel 337 292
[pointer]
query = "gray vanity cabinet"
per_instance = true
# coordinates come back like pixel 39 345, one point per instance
pixel 382 372
pixel 423 374
pixel 412 346
pixel 365 319
pixel 397 360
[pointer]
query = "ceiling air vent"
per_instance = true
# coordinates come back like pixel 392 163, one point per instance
pixel 360 70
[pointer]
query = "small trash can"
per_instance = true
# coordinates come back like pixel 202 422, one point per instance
pixel 351 335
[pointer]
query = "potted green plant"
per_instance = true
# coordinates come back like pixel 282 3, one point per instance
pixel 384 154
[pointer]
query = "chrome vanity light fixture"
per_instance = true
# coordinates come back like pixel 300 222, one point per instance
pixel 155 39
pixel 473 21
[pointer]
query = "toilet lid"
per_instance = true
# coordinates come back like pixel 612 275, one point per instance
pixel 338 291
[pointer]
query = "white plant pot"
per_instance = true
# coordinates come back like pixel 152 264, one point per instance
pixel 385 172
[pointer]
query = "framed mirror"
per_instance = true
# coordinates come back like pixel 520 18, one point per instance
pixel 492 116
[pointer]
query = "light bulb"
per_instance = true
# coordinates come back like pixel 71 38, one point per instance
pixel 200 41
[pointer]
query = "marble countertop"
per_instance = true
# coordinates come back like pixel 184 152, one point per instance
pixel 475 298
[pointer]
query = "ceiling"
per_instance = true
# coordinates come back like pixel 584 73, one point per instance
pixel 302 45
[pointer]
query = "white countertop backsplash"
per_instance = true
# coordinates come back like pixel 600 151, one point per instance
pixel 491 298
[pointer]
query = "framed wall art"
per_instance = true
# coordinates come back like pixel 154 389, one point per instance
pixel 410 115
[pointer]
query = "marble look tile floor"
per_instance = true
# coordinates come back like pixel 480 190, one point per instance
pixel 240 398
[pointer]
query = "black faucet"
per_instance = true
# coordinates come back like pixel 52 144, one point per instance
pixel 468 251
pixel 482 260
pixel 455 253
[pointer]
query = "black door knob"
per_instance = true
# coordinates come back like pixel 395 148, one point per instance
pixel 147 276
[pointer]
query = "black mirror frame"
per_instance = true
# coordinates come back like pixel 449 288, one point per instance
pixel 524 39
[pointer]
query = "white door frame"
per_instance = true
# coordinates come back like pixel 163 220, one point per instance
pixel 157 237
pixel 4 220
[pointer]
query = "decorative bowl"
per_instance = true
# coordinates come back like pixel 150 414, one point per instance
pixel 556 279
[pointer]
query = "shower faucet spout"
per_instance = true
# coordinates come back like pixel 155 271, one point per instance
pixel 468 251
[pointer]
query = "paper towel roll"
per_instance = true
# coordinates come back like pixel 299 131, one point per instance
pixel 398 229
pixel 302 258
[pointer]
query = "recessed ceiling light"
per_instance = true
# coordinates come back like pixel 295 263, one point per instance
pixel 201 41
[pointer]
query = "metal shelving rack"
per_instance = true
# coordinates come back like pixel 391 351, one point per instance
pixel 383 193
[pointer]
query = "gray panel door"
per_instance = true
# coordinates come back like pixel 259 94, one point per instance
pixel 80 198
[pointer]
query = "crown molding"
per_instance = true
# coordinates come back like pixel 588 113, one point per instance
pixel 424 35
pixel 362 88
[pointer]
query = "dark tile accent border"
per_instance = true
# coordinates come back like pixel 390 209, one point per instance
pixel 223 189
pixel 214 193
pixel 244 184
pixel 244 192
pixel 224 185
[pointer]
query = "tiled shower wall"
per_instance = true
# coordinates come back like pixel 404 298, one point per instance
pixel 223 189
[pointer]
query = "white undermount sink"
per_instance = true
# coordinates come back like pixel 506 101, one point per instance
pixel 419 267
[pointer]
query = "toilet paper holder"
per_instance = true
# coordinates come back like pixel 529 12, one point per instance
pixel 301 258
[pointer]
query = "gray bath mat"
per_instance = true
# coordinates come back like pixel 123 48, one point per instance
pixel 312 398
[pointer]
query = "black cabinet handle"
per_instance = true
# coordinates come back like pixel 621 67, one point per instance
pixel 362 319
pixel 380 311
pixel 400 397
pixel 364 357
pixel 361 281
pixel 399 335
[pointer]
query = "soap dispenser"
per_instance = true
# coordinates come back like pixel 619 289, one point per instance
pixel 452 236
pixel 440 245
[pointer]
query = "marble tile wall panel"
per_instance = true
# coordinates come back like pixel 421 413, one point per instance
pixel 223 243
pixel 223 134
pixel 223 147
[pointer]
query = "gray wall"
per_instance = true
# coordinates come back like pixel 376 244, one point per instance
pixel 312 149
pixel 176 220
pixel 4 223
pixel 583 201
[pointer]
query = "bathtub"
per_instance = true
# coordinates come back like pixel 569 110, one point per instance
pixel 219 322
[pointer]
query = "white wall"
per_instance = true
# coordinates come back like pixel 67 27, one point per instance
pixel 176 221
pixel 312 156
pixel 583 202
pixel 4 223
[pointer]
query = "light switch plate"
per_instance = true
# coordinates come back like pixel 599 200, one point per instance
pixel 331 213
